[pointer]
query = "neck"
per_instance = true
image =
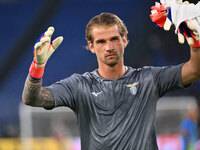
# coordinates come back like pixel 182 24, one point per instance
pixel 112 72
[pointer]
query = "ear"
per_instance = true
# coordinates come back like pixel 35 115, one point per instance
pixel 125 40
pixel 90 45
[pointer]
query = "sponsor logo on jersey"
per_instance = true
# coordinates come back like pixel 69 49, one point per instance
pixel 96 93
pixel 133 88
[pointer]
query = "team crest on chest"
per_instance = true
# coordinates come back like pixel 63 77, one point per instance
pixel 133 88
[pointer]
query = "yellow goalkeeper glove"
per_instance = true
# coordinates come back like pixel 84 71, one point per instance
pixel 43 49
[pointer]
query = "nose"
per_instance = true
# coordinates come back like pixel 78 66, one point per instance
pixel 109 46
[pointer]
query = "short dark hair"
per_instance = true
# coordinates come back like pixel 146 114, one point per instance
pixel 105 19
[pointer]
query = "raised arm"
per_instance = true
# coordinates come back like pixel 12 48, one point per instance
pixel 34 94
pixel 161 15
pixel 191 69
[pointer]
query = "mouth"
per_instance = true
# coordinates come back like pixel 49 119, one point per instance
pixel 110 55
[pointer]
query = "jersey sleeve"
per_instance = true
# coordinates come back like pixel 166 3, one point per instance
pixel 167 78
pixel 64 92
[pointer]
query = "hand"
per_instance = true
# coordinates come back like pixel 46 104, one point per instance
pixel 43 49
pixel 161 16
pixel 188 30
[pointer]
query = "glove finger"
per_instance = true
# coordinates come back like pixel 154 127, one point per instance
pixel 167 25
pixel 57 42
pixel 49 32
pixel 168 22
pixel 181 38
pixel 185 30
pixel 191 37
pixel 188 35
pixel 190 41
pixel 37 46
pixel 191 26
pixel 159 19
pixel 179 2
pixel 186 3
pixel 51 29
pixel 157 4
pixel 194 25
pixel 54 45
pixel 44 40
pixel 194 36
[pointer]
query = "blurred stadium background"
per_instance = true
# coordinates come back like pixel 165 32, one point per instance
pixel 22 22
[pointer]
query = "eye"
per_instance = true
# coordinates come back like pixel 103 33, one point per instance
pixel 100 41
pixel 116 38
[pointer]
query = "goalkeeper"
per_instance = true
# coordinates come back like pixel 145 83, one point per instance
pixel 115 105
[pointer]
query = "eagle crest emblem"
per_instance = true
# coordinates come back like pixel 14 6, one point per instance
pixel 133 88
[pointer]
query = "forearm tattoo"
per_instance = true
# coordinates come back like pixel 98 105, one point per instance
pixel 36 95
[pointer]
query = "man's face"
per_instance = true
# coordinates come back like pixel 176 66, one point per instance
pixel 108 45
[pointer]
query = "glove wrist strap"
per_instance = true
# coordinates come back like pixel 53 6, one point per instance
pixel 36 72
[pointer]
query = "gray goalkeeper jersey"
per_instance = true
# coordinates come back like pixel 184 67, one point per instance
pixel 117 114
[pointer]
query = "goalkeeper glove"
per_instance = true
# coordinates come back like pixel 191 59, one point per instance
pixel 188 30
pixel 43 49
pixel 161 16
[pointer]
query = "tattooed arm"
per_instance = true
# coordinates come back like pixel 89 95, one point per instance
pixel 36 95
